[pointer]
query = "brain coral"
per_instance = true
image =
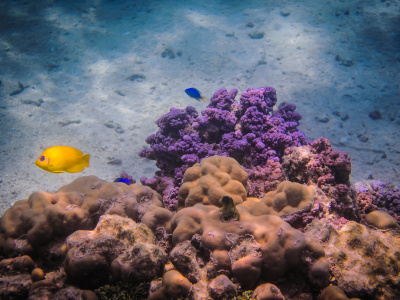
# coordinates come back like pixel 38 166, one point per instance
pixel 44 216
pixel 211 179
pixel 118 248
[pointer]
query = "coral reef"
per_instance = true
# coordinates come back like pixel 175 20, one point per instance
pixel 361 258
pixel 249 132
pixel 242 201
pixel 267 291
pixel 251 249
pixel 211 179
pixel 42 217
pixel 332 292
pixel 318 163
pixel 287 199
pixel 381 220
pixel 379 195
pixel 15 278
pixel 117 249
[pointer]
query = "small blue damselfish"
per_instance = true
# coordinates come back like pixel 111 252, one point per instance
pixel 124 180
pixel 194 93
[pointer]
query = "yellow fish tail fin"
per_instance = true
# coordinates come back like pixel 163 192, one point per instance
pixel 85 160
pixel 204 98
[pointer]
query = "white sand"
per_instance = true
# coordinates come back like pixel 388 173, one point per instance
pixel 78 58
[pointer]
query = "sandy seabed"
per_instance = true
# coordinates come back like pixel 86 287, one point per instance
pixel 96 75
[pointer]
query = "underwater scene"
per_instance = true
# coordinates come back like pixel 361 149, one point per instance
pixel 200 149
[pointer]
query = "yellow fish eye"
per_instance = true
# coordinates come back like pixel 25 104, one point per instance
pixel 41 158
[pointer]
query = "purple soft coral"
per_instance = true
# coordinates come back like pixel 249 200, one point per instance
pixel 263 99
pixel 248 132
pixel 380 195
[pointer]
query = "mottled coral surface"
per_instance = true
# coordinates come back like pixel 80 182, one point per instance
pixel 43 217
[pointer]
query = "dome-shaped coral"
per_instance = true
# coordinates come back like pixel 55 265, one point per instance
pixel 210 180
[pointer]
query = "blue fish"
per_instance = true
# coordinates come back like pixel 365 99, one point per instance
pixel 194 93
pixel 124 180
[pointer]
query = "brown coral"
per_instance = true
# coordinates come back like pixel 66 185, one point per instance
pixel 76 206
pixel 211 179
pixel 117 248
pixel 288 198
pixel 332 292
pixel 271 248
pixel 381 219
pixel 15 278
pixel 173 286
pixel 365 262
pixel 267 291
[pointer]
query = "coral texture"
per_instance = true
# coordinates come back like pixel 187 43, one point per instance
pixel 287 199
pixel 267 291
pixel 118 248
pixel 332 292
pixel 210 180
pixel 361 258
pixel 379 195
pixel 44 216
pixel 381 220
pixel 318 163
pixel 269 247
pixel 15 278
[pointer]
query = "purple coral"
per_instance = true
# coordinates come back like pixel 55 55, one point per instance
pixel 380 195
pixel 249 132
pixel 263 99
pixel 175 144
pixel 318 163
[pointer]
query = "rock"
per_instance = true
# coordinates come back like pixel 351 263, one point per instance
pixel 255 35
pixel 285 13
pixel 323 118
pixel 115 161
pixel 375 115
pixel 18 90
pixel 136 77
pixel 121 93
pixel 343 141
pixel 363 137
pixel 347 62
pixel 68 122
pixel 109 124
pixel 118 128
pixel 342 115
pixel 37 102
pixel 168 52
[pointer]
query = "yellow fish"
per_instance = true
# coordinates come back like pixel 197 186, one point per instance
pixel 61 159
